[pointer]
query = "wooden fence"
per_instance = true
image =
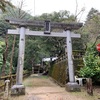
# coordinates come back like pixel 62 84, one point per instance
pixel 12 79
pixel 77 55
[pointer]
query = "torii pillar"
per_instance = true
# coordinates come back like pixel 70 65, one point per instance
pixel 71 85
pixel 19 88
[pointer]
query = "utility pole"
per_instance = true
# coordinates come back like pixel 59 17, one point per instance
pixel 34 8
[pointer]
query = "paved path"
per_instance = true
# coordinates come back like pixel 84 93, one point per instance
pixel 43 88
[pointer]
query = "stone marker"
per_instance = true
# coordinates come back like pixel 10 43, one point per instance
pixel 6 93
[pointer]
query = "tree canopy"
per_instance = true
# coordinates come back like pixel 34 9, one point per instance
pixel 3 4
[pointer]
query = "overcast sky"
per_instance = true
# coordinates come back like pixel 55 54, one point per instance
pixel 49 6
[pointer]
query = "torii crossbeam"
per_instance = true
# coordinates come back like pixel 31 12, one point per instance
pixel 35 23
pixel 22 31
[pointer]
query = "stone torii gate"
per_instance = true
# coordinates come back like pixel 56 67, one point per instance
pixel 19 88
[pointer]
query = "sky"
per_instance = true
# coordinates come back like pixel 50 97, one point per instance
pixel 38 7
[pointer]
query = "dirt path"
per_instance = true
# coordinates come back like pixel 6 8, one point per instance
pixel 42 88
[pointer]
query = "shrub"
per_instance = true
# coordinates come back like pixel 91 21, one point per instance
pixel 91 67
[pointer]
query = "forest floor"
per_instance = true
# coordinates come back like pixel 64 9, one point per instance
pixel 43 88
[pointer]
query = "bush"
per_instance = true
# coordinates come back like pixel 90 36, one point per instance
pixel 91 67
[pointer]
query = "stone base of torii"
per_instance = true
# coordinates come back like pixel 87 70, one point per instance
pixel 19 88
pixel 72 87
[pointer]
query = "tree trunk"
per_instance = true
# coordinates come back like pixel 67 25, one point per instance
pixel 12 54
pixel 11 60
pixel 4 57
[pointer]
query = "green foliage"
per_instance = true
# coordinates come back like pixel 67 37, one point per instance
pixel 91 28
pixel 3 27
pixel 90 35
pixel 15 12
pixel 91 67
pixel 3 4
pixel 1 56
pixel 92 13
pixel 61 16
pixel 2 44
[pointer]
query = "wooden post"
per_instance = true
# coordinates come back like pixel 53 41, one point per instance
pixel 89 86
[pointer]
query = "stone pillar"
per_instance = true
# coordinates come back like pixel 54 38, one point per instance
pixel 70 60
pixel 71 85
pixel 19 87
pixel 19 74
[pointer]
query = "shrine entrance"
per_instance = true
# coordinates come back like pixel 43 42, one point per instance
pixel 22 30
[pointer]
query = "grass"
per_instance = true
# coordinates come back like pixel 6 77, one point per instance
pixel 28 82
pixel 33 81
pixel 84 94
